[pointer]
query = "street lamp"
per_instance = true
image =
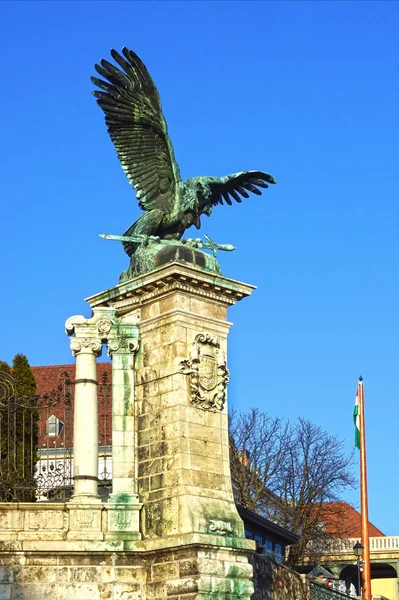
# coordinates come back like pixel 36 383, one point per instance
pixel 358 551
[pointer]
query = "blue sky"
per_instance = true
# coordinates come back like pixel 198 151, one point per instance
pixel 308 91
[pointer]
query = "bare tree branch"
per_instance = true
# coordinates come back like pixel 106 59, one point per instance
pixel 288 473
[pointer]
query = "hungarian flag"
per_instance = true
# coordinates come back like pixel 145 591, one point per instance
pixel 356 419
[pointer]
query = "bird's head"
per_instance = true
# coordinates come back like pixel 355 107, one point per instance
pixel 197 201
pixel 203 195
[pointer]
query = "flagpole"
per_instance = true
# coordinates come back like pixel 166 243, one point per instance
pixel 366 573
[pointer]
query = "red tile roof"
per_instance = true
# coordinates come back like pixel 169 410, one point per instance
pixel 48 379
pixel 342 520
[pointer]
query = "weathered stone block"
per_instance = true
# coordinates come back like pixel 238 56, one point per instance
pixel 35 591
pixel 211 567
pixel 106 591
pixel 128 574
pixel 127 591
pixel 148 436
pixel 164 571
pixel 156 590
pixel 161 518
pixel 213 465
pixel 182 586
pixel 5 591
pixel 42 574
pixel 86 574
pixel 143 485
pixel 188 567
pixel 177 396
pixel 10 519
pixel 6 575
pixel 200 432
pixel 208 480
pixel 77 591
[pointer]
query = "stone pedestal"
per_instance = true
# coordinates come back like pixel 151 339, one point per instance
pixel 181 455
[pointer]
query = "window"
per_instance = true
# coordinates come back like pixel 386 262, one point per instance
pixel 269 547
pixel 278 552
pixel 249 535
pixel 258 540
pixel 54 426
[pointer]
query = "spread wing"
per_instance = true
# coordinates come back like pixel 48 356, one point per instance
pixel 237 185
pixel 137 127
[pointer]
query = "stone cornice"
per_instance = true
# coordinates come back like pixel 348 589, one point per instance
pixel 167 280
pixel 179 315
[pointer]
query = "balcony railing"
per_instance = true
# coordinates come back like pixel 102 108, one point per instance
pixel 389 543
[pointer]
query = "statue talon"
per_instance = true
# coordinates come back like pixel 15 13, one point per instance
pixel 153 238
pixel 190 242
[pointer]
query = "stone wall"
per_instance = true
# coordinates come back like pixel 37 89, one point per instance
pixel 68 551
pixel 190 572
pixel 75 552
pixel 274 581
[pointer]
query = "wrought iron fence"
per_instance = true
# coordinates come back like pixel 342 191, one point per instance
pixel 322 592
pixel 104 438
pixel 36 442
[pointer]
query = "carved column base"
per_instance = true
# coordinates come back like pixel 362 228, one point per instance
pixel 85 521
pixel 123 519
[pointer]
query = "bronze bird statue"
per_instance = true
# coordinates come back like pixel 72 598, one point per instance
pixel 137 127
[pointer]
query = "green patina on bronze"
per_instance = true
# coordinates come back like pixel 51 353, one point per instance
pixel 154 255
pixel 133 115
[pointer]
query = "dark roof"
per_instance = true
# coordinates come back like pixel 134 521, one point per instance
pixel 319 570
pixel 249 515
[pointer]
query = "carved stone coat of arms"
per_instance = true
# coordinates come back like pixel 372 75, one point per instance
pixel 208 372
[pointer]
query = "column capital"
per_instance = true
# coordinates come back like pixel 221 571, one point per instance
pixel 123 345
pixel 90 333
pixel 100 325
pixel 85 346
pixel 120 333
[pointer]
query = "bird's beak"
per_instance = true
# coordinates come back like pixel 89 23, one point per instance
pixel 197 223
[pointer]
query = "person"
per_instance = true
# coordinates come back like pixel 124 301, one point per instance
pixel 320 580
pixel 342 586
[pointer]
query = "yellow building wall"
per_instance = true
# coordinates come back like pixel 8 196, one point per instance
pixel 385 587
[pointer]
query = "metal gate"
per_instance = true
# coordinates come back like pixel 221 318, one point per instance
pixel 36 442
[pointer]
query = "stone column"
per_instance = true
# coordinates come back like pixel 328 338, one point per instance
pixel 123 505
pixel 85 421
pixel 123 350
pixel 86 347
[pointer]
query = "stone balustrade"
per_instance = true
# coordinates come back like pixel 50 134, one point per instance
pixel 380 544
pixel 45 526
